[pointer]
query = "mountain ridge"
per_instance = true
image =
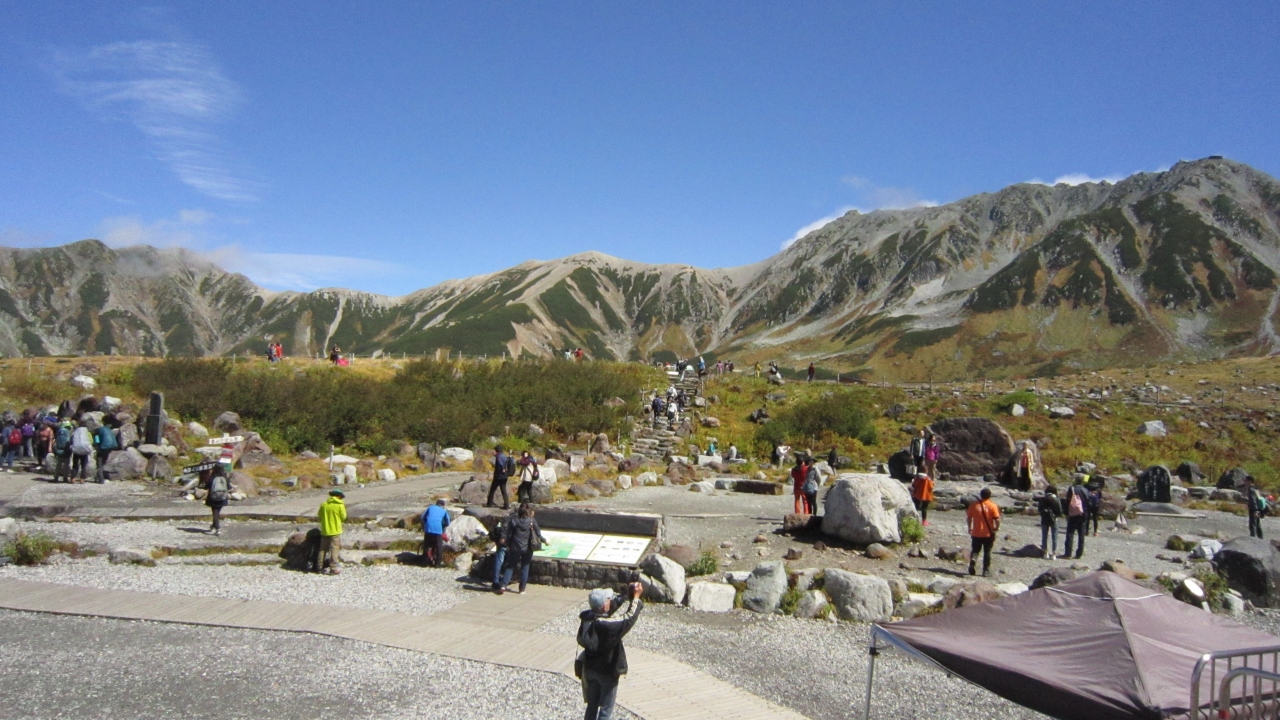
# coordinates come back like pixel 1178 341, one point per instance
pixel 1180 264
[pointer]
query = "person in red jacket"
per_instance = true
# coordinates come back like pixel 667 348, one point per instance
pixel 798 475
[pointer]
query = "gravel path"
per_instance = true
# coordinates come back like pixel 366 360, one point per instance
pixel 395 588
pixel 72 667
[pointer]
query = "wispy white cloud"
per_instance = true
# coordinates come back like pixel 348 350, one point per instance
pixel 1078 179
pixel 193 229
pixel 869 197
pixel 114 198
pixel 175 94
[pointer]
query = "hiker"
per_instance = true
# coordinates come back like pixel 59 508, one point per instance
pixel 503 468
pixel 1095 506
pixel 434 521
pixel 104 443
pixel 603 659
pixel 331 516
pixel 1026 464
pixel 12 436
pixel 524 538
pixel 798 474
pixel 918 444
pixel 732 453
pixel 922 495
pixel 833 459
pixel 28 437
pixel 81 449
pixel 528 475
pixel 1050 509
pixel 1257 506
pixel 499 537
pixel 812 481
pixel 932 451
pixel 62 451
pixel 44 442
pixel 984 522
pixel 1077 517
pixel 335 354
pixel 702 366
pixel 813 370
pixel 218 494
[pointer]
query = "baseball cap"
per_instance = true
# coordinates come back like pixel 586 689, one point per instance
pixel 338 493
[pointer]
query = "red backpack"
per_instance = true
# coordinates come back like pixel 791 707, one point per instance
pixel 15 437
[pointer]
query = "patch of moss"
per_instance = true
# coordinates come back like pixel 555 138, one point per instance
pixel 916 339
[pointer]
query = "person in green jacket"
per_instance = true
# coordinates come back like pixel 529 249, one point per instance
pixel 332 514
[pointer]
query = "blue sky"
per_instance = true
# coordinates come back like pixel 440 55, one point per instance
pixel 389 146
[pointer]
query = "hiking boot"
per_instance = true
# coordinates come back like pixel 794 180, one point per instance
pixel 501 590
pixel 972 571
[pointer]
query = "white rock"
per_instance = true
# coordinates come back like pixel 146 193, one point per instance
pixel 577 462
pixel 349 473
pixel 737 576
pixel 386 475
pixel 236 495
pixel 1206 549
pixel 462 562
pixel 458 455
pixel 705 460
pixel 8 526
pixel 131 556
pixel 462 531
pixel 1017 410
pixel 558 468
pixel 547 474
pixel 663 579
pixel 84 382
pixel 647 478
pixel 916 603
pixel 110 403
pixel 864 509
pixel 1012 588
pixel 197 429
pixel 940 585
pixel 703 486
pixel 811 604
pixel 624 482
pixel 862 598
pixel 344 460
pixel 1061 411
pixel 711 597
pixel 1153 428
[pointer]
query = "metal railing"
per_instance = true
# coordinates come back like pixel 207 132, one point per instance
pixel 1218 670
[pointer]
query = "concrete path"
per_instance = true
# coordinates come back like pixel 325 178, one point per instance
pixel 489 629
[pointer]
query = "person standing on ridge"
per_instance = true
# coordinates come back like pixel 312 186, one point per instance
pixel 603 659
pixel 983 518
pixel 333 512
pixel 503 468
pixel 813 370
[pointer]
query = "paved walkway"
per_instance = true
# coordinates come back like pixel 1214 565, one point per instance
pixel 489 629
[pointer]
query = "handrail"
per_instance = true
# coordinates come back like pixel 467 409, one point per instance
pixel 1210 660
pixel 1224 689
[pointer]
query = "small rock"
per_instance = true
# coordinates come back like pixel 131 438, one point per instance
pixel 711 597
pixel 131 556
pixel 761 538
pixel 386 475
pixel 811 604
pixel 793 554
pixel 1153 428
pixel 950 553
pixel 876 551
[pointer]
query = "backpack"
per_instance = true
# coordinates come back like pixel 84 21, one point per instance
pixel 811 480
pixel 511 466
pixel 28 430
pixel 1075 508
pixel 1264 508
pixel 61 439
pixel 106 438
pixel 218 487
pixel 81 442
pixel 15 436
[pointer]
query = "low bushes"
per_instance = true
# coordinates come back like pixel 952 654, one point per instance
pixel 29 548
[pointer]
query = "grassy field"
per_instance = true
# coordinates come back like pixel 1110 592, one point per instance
pixel 1235 399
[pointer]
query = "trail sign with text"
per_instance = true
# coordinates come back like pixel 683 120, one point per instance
pixel 226 440
pixel 195 469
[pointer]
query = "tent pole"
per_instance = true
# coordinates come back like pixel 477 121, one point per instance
pixel 873 651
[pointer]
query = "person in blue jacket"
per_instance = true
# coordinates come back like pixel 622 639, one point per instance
pixel 434 522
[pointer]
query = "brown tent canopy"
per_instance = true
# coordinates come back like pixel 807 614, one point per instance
pixel 1096 648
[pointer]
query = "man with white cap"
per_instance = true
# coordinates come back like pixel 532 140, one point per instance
pixel 603 659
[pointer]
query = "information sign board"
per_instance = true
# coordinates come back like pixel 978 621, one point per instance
pixel 592 547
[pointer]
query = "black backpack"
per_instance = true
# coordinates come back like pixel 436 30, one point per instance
pixel 511 466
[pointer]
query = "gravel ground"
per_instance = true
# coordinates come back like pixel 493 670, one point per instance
pixel 71 667
pixel 191 534
pixel 395 588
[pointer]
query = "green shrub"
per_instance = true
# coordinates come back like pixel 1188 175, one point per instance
pixel 911 529
pixel 1005 403
pixel 30 548
pixel 916 587
pixel 1179 544
pixel 705 565
pixel 790 600
pixel 815 421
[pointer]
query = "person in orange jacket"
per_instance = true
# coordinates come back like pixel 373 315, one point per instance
pixel 922 495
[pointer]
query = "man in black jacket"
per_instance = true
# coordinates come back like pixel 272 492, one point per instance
pixel 603 658
pixel 501 471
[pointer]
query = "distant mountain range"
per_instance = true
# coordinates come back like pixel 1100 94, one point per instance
pixel 1032 279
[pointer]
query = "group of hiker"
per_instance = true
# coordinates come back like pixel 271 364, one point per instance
pixel 76 445
pixel 505 467
pixel 275 352
pixel 1082 506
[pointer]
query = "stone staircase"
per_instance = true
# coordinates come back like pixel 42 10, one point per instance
pixel 654 441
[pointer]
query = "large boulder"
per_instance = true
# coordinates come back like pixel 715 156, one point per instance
pixel 228 423
pixel 711 597
pixel 457 455
pixel 557 468
pixel 1233 479
pixel 158 468
pixel 1189 473
pixel 1054 576
pixel 1153 428
pixel 765 587
pixel 971 593
pixel 84 382
pixel 862 598
pixel 127 464
pixel 541 492
pixel 972 446
pixel 663 579
pixel 647 477
pixel 811 605
pixel 462 531
pixel 865 509
pixel 197 429
pixel 901 465
pixel 1012 473
pixel 299 549
pixel 1251 567
pixel 1154 484
pixel 474 491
